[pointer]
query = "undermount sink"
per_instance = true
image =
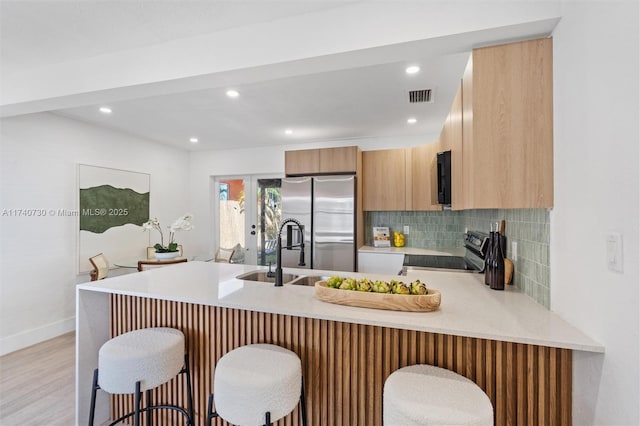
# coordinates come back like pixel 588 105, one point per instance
pixel 261 276
pixel 309 280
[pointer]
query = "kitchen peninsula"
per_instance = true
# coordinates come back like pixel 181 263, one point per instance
pixel 518 352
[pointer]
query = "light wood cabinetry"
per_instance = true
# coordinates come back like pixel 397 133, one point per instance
pixel 454 129
pixel 338 160
pixel 451 140
pixel 385 182
pixel 424 170
pixel 508 126
pixel 467 134
pixel 302 162
pixel 401 179
pixel 321 161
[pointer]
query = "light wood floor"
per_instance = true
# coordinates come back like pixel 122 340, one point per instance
pixel 37 384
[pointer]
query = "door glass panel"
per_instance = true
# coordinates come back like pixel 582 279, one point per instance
pixel 269 215
pixel 231 194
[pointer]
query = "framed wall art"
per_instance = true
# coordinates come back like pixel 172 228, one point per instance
pixel 112 206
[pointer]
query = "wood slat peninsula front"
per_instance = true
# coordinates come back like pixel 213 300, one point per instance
pixel 345 364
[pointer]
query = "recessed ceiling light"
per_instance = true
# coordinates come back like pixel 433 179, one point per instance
pixel 411 120
pixel 193 140
pixel 288 132
pixel 412 69
pixel 232 93
pixel 105 110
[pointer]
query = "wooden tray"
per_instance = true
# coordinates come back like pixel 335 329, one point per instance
pixel 393 302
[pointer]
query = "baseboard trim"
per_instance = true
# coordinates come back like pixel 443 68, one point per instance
pixel 36 335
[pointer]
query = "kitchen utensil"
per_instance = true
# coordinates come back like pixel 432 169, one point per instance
pixel 508 271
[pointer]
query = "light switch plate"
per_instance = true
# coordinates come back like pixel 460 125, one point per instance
pixel 614 251
pixel 514 250
pixel 405 230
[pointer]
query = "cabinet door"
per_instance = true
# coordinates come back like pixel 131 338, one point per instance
pixel 338 160
pixel 424 169
pixel 380 263
pixel 513 125
pixel 302 162
pixel 384 180
pixel 455 144
pixel 467 137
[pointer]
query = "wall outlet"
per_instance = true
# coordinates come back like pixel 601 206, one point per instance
pixel 614 251
pixel 514 250
pixel 405 229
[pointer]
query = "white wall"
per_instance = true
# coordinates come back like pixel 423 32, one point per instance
pixel 39 156
pixel 596 54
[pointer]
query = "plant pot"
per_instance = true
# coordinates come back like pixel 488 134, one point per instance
pixel 167 255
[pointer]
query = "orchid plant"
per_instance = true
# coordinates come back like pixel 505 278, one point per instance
pixel 183 223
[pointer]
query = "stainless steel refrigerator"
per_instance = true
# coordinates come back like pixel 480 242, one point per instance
pixel 326 206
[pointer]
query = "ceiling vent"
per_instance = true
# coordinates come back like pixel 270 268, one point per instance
pixel 417 96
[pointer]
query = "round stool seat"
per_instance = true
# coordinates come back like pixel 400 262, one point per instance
pixel 254 379
pixel 426 395
pixel 152 356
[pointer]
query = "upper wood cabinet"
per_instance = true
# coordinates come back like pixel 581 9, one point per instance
pixel 385 183
pixel 507 138
pixel 454 128
pixel 451 140
pixel 303 162
pixel 424 185
pixel 401 179
pixel 321 161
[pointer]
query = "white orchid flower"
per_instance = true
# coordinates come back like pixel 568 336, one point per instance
pixel 181 224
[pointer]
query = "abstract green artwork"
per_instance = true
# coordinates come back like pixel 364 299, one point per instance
pixel 103 207
pixel 112 206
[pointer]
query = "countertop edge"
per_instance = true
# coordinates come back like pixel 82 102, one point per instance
pixel 349 314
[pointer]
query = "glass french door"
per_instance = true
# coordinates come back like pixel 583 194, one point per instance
pixel 247 217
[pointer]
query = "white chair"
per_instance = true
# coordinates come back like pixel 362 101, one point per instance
pixel 256 384
pixel 224 255
pixel 428 395
pixel 139 361
pixel 100 267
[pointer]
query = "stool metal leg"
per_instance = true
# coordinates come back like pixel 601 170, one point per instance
pixel 94 389
pixel 149 404
pixel 189 390
pixel 136 415
pixel 303 405
pixel 210 413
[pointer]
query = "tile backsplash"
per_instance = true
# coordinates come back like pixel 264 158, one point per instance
pixel 444 229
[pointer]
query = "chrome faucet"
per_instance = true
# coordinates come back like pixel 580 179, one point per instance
pixel 279 250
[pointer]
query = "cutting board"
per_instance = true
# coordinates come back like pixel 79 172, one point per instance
pixel 393 302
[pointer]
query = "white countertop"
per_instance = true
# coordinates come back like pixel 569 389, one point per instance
pixel 413 250
pixel 468 308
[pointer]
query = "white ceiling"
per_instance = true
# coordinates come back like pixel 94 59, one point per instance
pixel 353 103
pixel 43 32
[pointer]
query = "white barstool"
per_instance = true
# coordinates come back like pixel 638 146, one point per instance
pixel 257 384
pixel 428 395
pixel 139 361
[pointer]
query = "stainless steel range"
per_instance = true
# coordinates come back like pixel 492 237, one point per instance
pixel 475 243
